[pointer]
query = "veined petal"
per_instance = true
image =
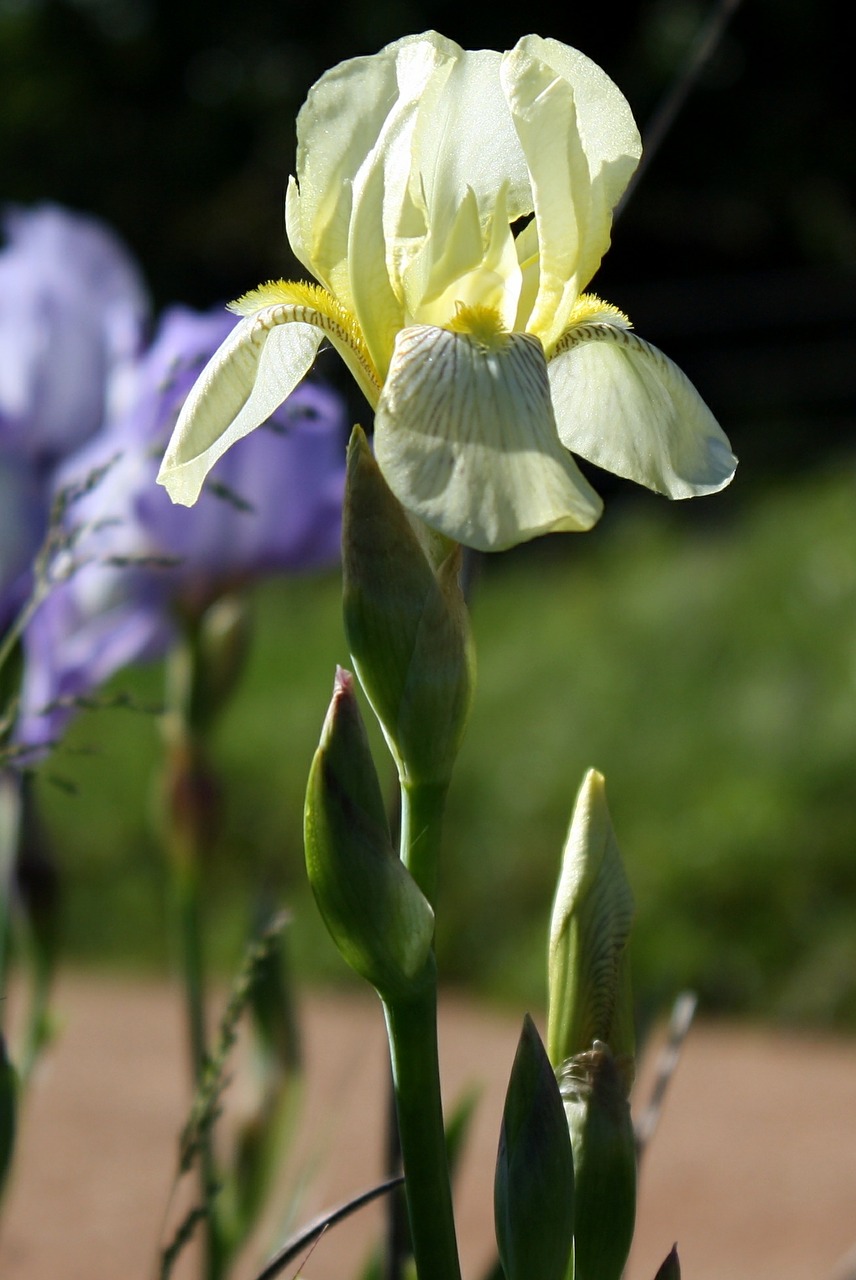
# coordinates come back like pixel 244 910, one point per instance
pixel 466 438
pixel 625 406
pixel 247 378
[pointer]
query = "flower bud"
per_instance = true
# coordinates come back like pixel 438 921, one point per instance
pixel 407 625
pixel 588 967
pixel 373 909
pixel 534 1185
pixel 594 1090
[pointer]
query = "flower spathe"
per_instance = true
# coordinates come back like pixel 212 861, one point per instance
pixel 473 339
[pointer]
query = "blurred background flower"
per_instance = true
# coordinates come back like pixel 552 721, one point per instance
pixel 73 311
pixel 132 564
pixel 86 407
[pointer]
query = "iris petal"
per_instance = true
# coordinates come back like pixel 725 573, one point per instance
pixel 333 140
pixel 542 105
pixel 625 406
pixel 247 378
pixel 466 438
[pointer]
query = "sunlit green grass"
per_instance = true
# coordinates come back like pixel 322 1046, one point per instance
pixel 709 670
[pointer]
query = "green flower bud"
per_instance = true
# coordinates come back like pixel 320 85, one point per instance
pixel 594 1090
pixel 534 1185
pixel 588 967
pixel 407 624
pixel 374 910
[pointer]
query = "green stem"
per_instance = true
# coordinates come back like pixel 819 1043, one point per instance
pixel 189 805
pixel 191 963
pixel 422 806
pixel 10 822
pixel 412 1029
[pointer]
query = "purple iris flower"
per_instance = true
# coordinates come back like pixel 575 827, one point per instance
pixel 135 562
pixel 73 310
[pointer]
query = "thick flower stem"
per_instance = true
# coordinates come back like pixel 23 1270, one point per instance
pixel 422 805
pixel 412 1029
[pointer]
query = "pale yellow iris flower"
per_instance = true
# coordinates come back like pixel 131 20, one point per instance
pixel 453 206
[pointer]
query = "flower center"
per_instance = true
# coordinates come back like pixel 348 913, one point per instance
pixel 484 324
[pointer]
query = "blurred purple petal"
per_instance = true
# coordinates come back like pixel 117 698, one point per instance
pixel 73 308
pixel 273 504
pixel 23 519
pixel 71 650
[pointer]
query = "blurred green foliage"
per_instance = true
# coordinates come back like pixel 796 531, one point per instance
pixel 705 666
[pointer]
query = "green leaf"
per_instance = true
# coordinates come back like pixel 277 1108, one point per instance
pixel 534 1185
pixel 594 1090
pixel 670 1268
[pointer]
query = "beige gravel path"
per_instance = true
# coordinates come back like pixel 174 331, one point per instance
pixel 753 1170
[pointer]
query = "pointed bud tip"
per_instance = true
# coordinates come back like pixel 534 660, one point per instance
pixel 343 683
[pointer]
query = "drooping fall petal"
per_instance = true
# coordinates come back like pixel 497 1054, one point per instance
pixel 465 436
pixel 624 405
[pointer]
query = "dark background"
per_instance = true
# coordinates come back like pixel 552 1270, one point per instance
pixel 175 122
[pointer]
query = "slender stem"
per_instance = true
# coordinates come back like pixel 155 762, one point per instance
pixel 189 808
pixel 412 1029
pixel 191 962
pixel 422 807
pixel 10 822
pixel 397 1247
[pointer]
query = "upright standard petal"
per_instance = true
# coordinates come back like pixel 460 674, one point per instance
pixel 465 140
pixel 381 201
pixel 608 132
pixel 259 364
pixel 465 436
pixel 622 404
pixel 333 140
pixel 542 106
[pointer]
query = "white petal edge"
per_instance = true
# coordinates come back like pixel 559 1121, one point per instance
pixel 624 405
pixel 467 441
pixel 247 378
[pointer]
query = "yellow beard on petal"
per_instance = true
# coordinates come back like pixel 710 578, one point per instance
pixel 311 304
pixel 484 324
pixel 591 316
